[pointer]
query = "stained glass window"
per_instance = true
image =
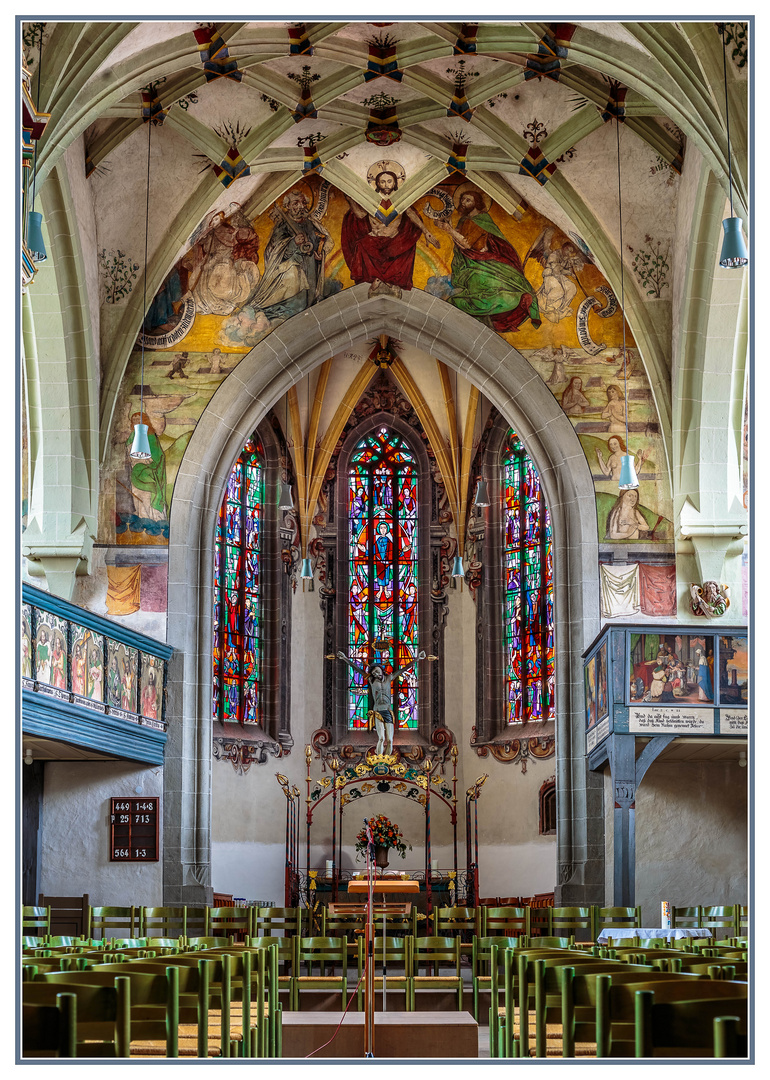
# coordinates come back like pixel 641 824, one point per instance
pixel 237 547
pixel 528 590
pixel 383 609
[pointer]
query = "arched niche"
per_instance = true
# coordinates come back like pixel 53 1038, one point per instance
pixel 260 379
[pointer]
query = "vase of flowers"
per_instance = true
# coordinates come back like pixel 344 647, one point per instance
pixel 385 835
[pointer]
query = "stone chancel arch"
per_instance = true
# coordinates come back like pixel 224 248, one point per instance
pixel 259 381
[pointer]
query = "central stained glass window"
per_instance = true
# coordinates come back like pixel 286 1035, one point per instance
pixel 383 609
pixel 528 636
pixel 237 546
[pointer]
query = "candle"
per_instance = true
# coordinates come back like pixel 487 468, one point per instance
pixel 329 867
pixel 665 914
pixel 434 864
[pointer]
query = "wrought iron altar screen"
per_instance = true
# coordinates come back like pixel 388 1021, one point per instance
pixel 472 838
pixel 291 845
pixel 380 774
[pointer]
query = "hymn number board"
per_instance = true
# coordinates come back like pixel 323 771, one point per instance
pixel 134 829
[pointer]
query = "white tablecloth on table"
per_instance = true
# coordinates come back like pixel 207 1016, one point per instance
pixel 647 932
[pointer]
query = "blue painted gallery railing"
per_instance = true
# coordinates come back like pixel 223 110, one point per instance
pixel 89 682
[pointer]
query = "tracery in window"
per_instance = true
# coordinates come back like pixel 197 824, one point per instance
pixel 528 629
pixel 237 623
pixel 383 624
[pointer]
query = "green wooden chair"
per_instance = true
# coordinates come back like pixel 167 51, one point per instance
pixel 720 920
pixel 589 1001
pixel 102 1014
pixel 35 922
pixel 343 923
pixel 482 953
pixel 325 953
pixel 233 923
pixel 163 922
pixel 107 922
pixel 394 956
pixel 624 1008
pixel 457 921
pixel 684 1028
pixel 195 921
pixel 509 921
pixel 614 919
pixel 574 922
pixel 202 944
pixel 539 989
pixel 539 921
pixel 49 1030
pixel 686 918
pixel 154 997
pixel 429 955
pixel 277 921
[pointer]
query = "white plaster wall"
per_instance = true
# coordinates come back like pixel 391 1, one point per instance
pixel 75 834
pixel 691 836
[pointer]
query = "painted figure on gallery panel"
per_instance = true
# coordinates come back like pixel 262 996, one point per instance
pixel 79 662
pixel 26 643
pixel 380 248
pixel 95 683
pixel 58 662
pixel 113 679
pixel 43 655
pixel 150 696
pixel 705 676
pixel 487 274
pixel 127 681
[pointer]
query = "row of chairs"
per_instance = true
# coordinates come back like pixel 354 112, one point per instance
pixel 584 923
pixel 100 1011
pixel 624 1009
pixel 539 976
pixel 173 922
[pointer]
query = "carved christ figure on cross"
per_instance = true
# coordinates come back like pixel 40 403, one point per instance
pixel 381 687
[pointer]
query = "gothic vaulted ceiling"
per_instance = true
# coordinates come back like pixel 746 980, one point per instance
pixel 244 111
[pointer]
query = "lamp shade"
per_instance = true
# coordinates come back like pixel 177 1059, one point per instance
pixel 734 253
pixel 140 448
pixel 307 569
pixel 628 478
pixel 482 495
pixel 457 567
pixel 35 237
pixel 285 500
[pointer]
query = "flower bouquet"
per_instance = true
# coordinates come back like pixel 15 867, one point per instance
pixel 384 834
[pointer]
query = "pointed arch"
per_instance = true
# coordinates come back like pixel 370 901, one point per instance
pixel 263 376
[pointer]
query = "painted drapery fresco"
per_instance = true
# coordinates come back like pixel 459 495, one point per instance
pixel 240 278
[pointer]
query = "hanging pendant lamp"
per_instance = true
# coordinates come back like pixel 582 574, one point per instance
pixel 734 253
pixel 628 478
pixel 285 499
pixel 482 495
pixel 307 569
pixel 457 567
pixel 35 242
pixel 140 448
